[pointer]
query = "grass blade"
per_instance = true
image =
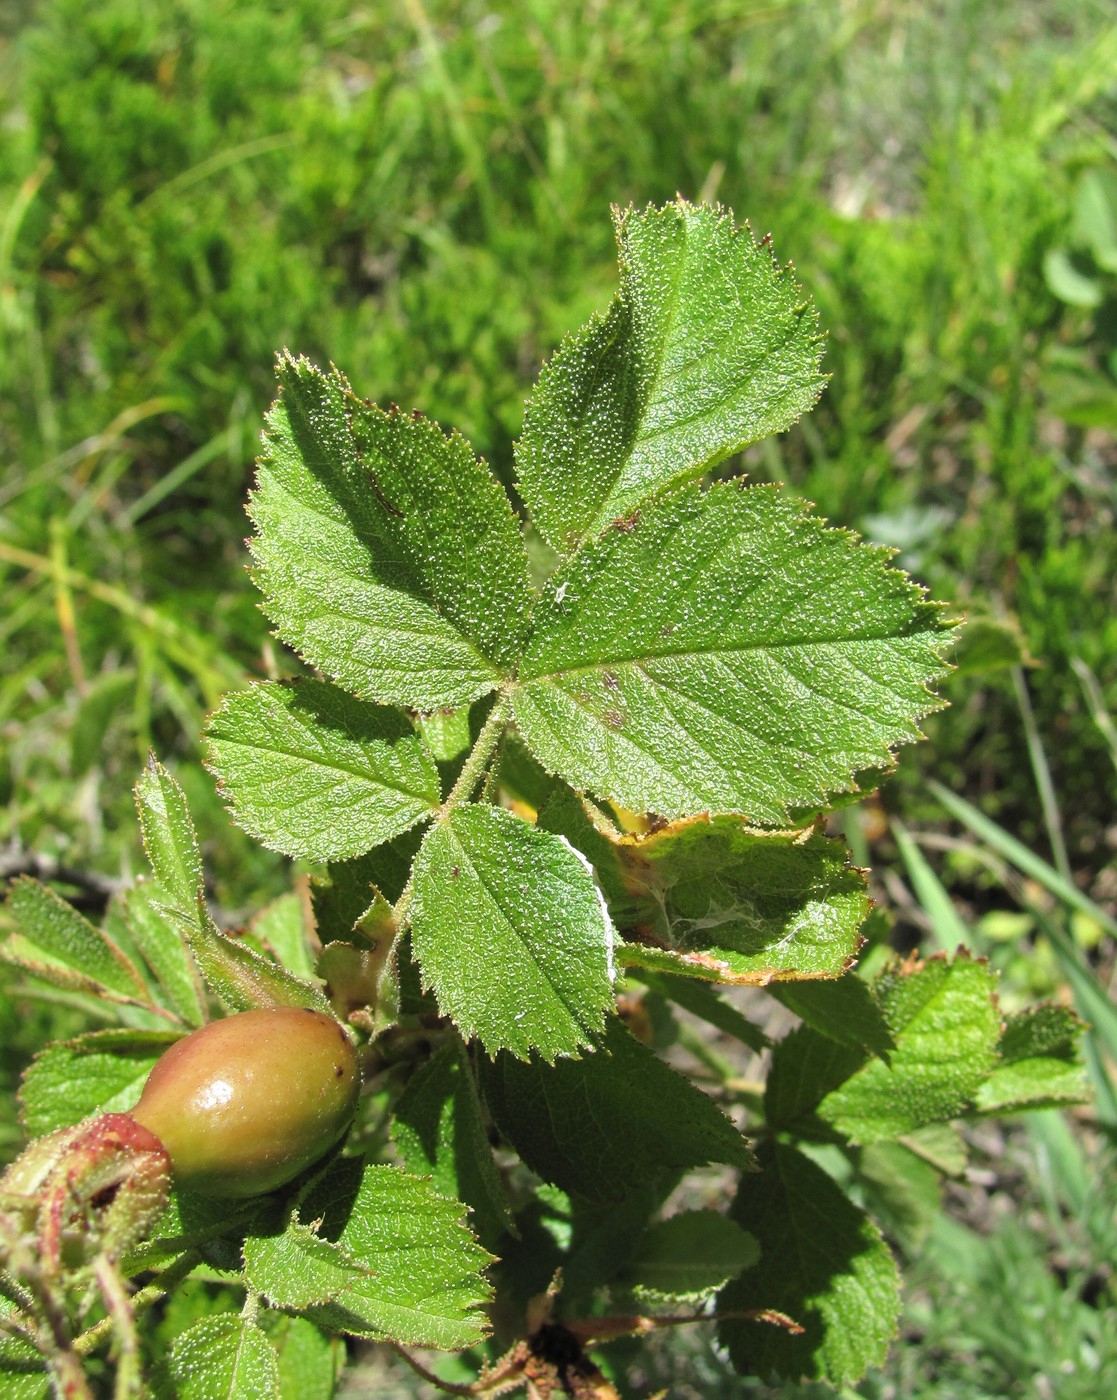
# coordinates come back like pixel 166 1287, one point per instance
pixel 1017 854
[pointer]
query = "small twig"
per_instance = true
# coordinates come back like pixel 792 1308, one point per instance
pixel 481 754
pixel 15 861
pixel 448 1387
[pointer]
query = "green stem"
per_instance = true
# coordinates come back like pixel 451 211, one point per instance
pixel 171 1276
pixel 472 771
pixel 482 753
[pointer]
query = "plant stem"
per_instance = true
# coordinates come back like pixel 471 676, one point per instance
pixel 481 754
pixel 479 758
pixel 171 1276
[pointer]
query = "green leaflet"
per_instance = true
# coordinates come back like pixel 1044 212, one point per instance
pixel 901 1191
pixel 421 1279
pixel 308 1359
pixel 297 1268
pixel 845 1011
pixel 761 906
pixel 606 1124
pixel 708 346
pixel 823 1263
pixel 943 1019
pixel 728 652
pixel 102 1072
pixel 164 951
pixel 438 1130
pixel 53 941
pixel 710 898
pixel 387 554
pixel 511 932
pixel 242 979
pixel 23 1373
pixel 281 927
pixel 311 771
pixel 688 1256
pixel 170 840
pixel 1039 1062
pixel 224 1358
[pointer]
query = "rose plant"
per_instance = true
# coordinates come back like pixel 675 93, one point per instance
pixel 560 770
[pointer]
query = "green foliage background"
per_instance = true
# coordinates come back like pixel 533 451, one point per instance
pixel 419 192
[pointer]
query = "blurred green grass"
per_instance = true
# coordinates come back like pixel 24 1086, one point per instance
pixel 419 192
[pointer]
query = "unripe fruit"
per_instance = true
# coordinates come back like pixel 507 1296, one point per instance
pixel 245 1104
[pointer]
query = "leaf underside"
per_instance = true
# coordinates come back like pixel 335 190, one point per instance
pixel 605 1124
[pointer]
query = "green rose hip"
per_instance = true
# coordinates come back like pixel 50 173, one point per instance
pixel 245 1104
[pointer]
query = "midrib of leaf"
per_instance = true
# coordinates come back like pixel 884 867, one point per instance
pixel 800 1203
pixel 738 551
pixel 662 377
pixel 241 1345
pixel 719 651
pixel 556 1136
pixel 935 993
pixel 734 391
pixel 659 377
pixel 317 759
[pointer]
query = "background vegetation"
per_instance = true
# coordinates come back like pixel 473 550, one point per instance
pixel 417 192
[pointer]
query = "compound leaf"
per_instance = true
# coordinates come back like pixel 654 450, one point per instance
pixel 708 346
pixel 512 933
pixel 823 1264
pixel 727 653
pixel 608 1123
pixel 311 771
pixel 387 554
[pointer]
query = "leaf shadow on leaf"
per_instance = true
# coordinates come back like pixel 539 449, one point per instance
pixel 339 473
pixel 823 1262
